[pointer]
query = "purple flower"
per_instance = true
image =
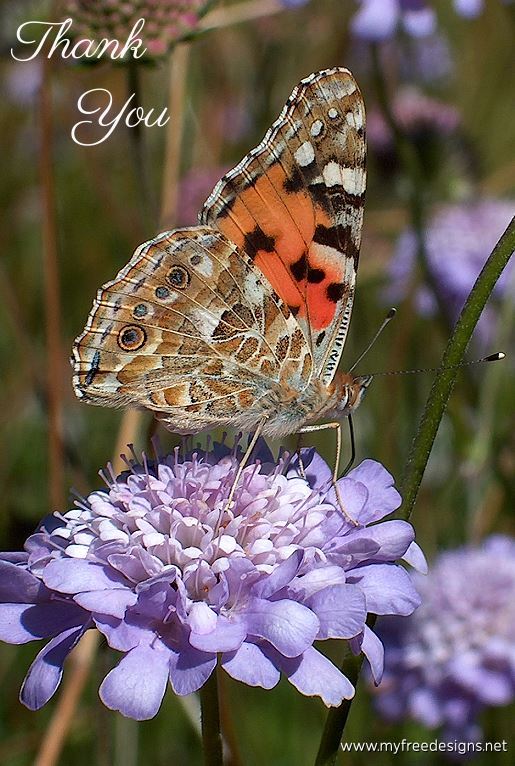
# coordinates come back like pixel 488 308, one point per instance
pixel 459 239
pixel 378 20
pixel 456 655
pixel 177 582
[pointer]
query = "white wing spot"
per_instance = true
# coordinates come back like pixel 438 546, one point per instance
pixel 316 128
pixel 355 118
pixel 333 174
pixel 354 180
pixel 305 154
pixel 205 267
pixel 333 113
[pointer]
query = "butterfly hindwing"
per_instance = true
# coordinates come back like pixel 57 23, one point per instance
pixel 295 206
pixel 189 329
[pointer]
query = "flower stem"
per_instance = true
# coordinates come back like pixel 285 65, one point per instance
pixel 210 718
pixel 337 717
pixel 453 355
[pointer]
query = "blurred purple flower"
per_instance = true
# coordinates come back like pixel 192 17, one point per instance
pixel 468 8
pixel 378 20
pixel 178 583
pixel 459 239
pixel 166 21
pixel 456 655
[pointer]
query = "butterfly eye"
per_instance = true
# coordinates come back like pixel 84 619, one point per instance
pixel 178 277
pixel 131 338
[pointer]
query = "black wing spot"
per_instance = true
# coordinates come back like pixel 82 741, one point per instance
pixel 257 240
pixel 315 276
pixel 335 291
pixel 294 310
pixel 299 268
pixel 95 366
pixel 320 338
pixel 326 235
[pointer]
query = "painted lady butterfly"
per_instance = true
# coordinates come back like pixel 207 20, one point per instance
pixel 241 321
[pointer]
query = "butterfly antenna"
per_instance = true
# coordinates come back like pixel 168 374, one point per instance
pixel 386 320
pixel 490 358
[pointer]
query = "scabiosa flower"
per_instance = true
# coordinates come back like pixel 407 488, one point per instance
pixel 459 239
pixel 178 582
pixel 166 21
pixel 378 20
pixel 456 654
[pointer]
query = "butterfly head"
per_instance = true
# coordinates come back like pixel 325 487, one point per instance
pixel 349 392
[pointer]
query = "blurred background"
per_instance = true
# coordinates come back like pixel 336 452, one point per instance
pixel 439 85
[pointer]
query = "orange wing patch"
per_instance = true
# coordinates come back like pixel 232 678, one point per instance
pixel 294 206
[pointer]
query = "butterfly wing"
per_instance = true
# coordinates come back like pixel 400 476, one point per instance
pixel 295 206
pixel 191 330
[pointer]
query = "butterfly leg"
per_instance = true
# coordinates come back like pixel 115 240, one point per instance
pixel 244 461
pixel 302 469
pixel 338 428
pixel 352 447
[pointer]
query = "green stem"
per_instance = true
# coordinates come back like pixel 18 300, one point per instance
pixel 210 719
pixel 445 379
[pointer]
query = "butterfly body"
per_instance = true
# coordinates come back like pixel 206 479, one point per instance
pixel 241 320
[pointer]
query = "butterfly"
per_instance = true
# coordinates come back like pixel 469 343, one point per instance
pixel 241 320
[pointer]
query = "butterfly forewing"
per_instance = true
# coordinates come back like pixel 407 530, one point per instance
pixel 295 206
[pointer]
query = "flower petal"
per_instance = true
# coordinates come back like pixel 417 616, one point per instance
pixel 251 666
pixel 415 558
pixel 190 669
pixel 373 649
pixel 20 623
pixel 388 588
pixel 280 577
pixel 18 586
pixel 113 602
pixel 313 674
pixel 340 610
pixel 136 686
pixel 46 671
pixel 383 498
pixel 77 576
pixel 288 626
pixel 226 637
